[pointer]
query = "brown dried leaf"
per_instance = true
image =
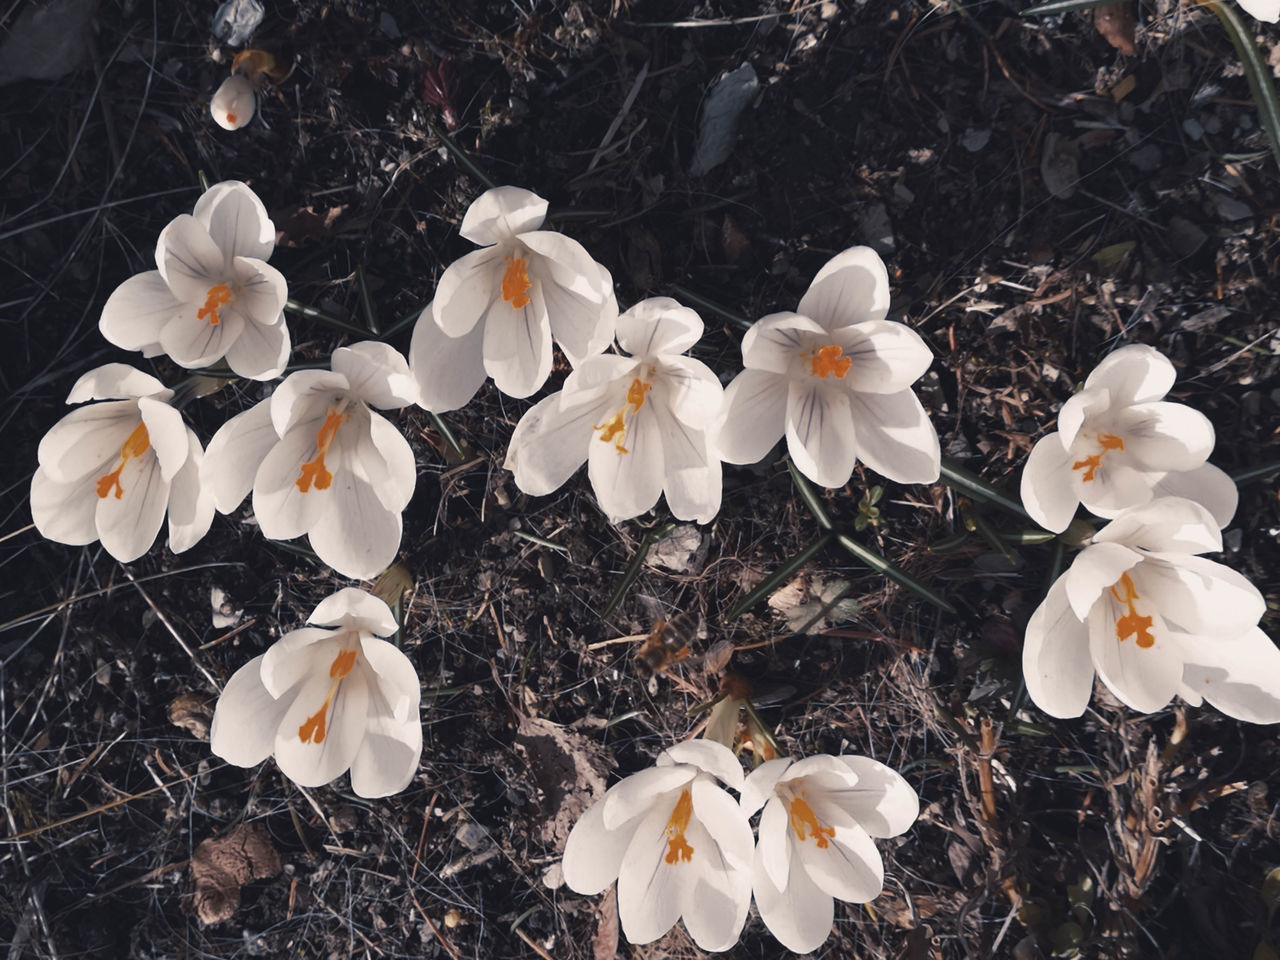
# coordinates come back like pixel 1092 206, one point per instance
pixel 604 945
pixel 191 712
pixel 222 865
pixel 303 223
pixel 1116 24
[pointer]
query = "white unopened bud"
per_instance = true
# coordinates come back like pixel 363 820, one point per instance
pixel 233 104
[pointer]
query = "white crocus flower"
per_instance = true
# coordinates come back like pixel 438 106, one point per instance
pixel 326 698
pixel 1153 619
pixel 1268 10
pixel 214 295
pixel 110 471
pixel 677 844
pixel 1119 444
pixel 320 462
pixel 834 378
pixel 815 846
pixel 497 309
pixel 641 423
pixel 234 102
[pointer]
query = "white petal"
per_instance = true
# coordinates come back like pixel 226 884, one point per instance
pixel 236 220
pixel 881 801
pixel 774 847
pixel 1116 487
pixel 377 373
pixel 801 917
pixel 549 444
pixel 194 342
pixel 691 476
pixel 298 655
pixel 581 316
pixel 774 343
pixel 709 757
pixel 759 784
pixel 318 761
pixel 467 289
pixel 235 453
pixel 128 524
pixel 190 502
pixel 356 535
pixel 501 213
pixel 392 677
pixel 517 346
pixel 1200 597
pixel 1056 662
pixel 1165 436
pixel 1167 525
pixel 137 311
pixel 593 855
pixel 693 392
pixel 659 325
pixel 115 381
pixel 448 370
pixel 895 437
pixel 754 417
pixel 851 287
pixel 719 899
pixel 1048 490
pixel 1240 677
pixel 1144 678
pixel 245 721
pixel 260 352
pixel 388 757
pixel 632 796
pixel 261 290
pixel 166 434
pixel 357 609
pixel 87 440
pixel 190 261
pixel 65 512
pixel 887 357
pixel 398 471
pixel 1206 485
pixel 820 432
pixel 233 103
pixel 1085 405
pixel 628 483
pixel 305 395
pixel 651 892
pixel 283 511
pixel 1093 572
pixel 594 374
pixel 848 868
pixel 1268 10
pixel 725 821
pixel 1133 374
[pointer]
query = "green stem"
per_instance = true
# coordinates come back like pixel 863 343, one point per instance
pixel 1256 71
pixel 632 572
pixel 958 478
pixel 809 496
pixel 697 300
pixel 881 565
pixel 366 302
pixel 311 313
pixel 460 155
pixel 1250 474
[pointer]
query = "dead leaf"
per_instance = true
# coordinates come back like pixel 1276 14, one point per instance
pixel 303 223
pixel 191 712
pixel 604 945
pixel 568 768
pixel 222 865
pixel 1115 23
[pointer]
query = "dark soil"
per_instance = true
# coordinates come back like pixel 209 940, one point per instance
pixel 920 128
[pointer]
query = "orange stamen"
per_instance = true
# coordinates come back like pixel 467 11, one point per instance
pixel 613 430
pixel 220 295
pixel 313 728
pixel 678 848
pixel 139 442
pixel 802 816
pixel 830 360
pixel 1091 463
pixel 516 283
pixel 313 471
pixel 231 119
pixel 1131 624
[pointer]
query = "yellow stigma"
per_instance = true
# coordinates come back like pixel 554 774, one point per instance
pixel 678 848
pixel 139 442
pixel 829 360
pixel 516 283
pixel 218 296
pixel 313 471
pixel 313 728
pixel 802 816
pixel 1131 624
pixel 1091 463
pixel 614 430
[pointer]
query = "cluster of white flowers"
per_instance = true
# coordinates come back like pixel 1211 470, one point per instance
pixel 680 847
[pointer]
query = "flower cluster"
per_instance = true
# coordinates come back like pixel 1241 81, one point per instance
pixel 680 847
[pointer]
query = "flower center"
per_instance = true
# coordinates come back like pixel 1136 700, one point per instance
pixel 614 430
pixel 678 848
pixel 139 442
pixel 313 728
pixel 802 816
pixel 1107 442
pixel 1131 624
pixel 218 296
pixel 516 283
pixel 827 361
pixel 313 471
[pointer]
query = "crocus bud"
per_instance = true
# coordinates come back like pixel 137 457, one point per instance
pixel 232 105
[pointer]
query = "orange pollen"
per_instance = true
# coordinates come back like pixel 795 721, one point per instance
pixel 678 848
pixel 1091 463
pixel 313 728
pixel 802 816
pixel 516 283
pixel 231 118
pixel 220 295
pixel 1131 624
pixel 313 471
pixel 139 442
pixel 614 429
pixel 829 360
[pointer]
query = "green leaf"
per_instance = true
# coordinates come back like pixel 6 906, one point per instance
pixel 312 313
pixel 958 478
pixel 777 578
pixel 697 300
pixel 881 565
pixel 1249 474
pixel 1255 69
pixel 366 302
pixel 1062 6
pixel 630 574
pixel 809 496
pixel 1110 257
